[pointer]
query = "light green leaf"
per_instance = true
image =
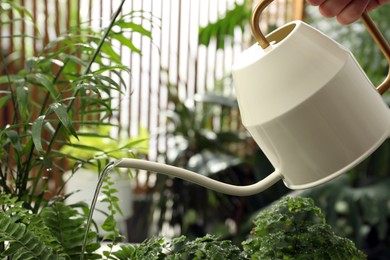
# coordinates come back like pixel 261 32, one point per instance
pixel 110 52
pixel 126 42
pixel 109 224
pixel 134 27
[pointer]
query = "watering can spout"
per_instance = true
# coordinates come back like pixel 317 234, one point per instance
pixel 198 178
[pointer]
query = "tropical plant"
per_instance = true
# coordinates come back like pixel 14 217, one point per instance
pixel 66 90
pixel 72 80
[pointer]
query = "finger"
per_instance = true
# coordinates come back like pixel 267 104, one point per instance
pixel 332 8
pixel 376 3
pixel 352 12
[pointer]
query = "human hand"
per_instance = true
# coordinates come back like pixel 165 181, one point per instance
pixel 346 11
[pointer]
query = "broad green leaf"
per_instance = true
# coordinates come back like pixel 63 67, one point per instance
pixel 37 132
pixel 63 116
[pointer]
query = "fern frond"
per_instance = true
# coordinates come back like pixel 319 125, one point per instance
pixel 69 227
pixel 21 243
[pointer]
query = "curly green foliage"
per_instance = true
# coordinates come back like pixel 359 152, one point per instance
pixel 69 227
pixel 150 249
pixel 294 228
pixel 207 247
pixel 24 232
pixel 20 243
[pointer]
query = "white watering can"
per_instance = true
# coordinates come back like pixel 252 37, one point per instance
pixel 307 103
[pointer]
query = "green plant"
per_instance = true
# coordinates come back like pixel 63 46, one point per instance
pixel 72 80
pixel 52 97
pixel 55 233
pixel 207 247
pixel 294 228
pixel 220 30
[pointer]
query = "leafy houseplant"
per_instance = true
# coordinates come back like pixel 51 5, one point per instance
pixel 292 228
pixel 52 96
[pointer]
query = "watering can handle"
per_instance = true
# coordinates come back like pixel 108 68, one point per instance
pixel 366 19
pixel 383 46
